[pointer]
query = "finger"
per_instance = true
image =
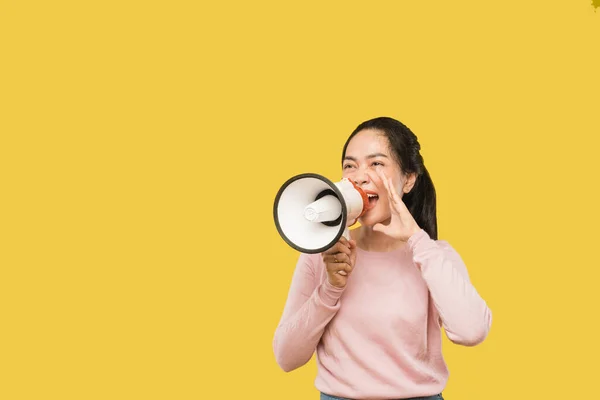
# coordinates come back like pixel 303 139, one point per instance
pixel 333 249
pixel 343 258
pixel 353 257
pixel 348 244
pixel 398 203
pixel 385 180
pixel 343 269
pixel 337 258
pixel 394 192
pixel 389 188
pixel 393 196
pixel 338 248
pixel 344 249
pixel 381 176
pixel 343 241
pixel 338 266
pixel 347 268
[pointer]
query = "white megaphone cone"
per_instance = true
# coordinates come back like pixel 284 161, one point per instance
pixel 312 213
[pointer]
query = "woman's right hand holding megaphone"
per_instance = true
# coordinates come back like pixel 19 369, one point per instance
pixel 339 261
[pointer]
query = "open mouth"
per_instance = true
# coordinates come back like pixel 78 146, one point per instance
pixel 373 198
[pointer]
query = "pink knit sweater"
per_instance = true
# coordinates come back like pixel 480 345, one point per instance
pixel 380 336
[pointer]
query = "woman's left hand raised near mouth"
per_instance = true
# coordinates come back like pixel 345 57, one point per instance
pixel 402 224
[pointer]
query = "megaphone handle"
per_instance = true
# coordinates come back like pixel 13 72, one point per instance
pixel 347 234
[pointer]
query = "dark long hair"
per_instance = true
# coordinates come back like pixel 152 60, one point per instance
pixel 405 147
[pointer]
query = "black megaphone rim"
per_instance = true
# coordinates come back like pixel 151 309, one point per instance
pixel 344 215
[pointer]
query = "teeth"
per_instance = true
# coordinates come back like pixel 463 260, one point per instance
pixel 371 195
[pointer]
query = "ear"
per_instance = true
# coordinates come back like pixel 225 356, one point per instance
pixel 410 183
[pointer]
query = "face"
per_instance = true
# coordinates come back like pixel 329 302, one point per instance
pixel 367 152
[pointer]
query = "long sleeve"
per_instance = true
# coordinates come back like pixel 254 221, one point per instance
pixel 309 308
pixel 465 316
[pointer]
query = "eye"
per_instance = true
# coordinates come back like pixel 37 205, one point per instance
pixel 377 163
pixel 348 166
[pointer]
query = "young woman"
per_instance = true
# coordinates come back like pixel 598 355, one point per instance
pixel 376 327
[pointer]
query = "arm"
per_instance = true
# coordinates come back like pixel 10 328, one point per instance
pixel 309 308
pixel 465 316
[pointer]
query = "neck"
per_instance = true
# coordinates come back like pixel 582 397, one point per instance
pixel 370 240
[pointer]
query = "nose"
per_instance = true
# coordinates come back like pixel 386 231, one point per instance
pixel 361 177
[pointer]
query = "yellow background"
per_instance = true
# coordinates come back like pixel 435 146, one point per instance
pixel 142 145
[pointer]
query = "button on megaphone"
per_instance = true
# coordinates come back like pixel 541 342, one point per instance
pixel 312 213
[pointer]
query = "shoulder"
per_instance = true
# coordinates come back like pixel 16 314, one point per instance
pixel 446 247
pixel 450 254
pixel 421 241
pixel 423 247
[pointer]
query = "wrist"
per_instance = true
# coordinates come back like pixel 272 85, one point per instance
pixel 329 293
pixel 332 287
pixel 415 230
pixel 417 239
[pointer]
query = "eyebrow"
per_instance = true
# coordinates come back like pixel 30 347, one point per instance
pixel 374 155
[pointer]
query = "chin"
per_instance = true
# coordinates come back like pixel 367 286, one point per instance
pixel 372 218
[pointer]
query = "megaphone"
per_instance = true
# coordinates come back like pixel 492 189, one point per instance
pixel 311 212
